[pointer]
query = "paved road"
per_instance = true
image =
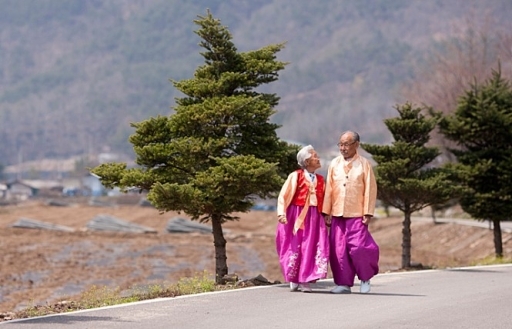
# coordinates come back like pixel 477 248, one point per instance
pixel 506 227
pixel 471 297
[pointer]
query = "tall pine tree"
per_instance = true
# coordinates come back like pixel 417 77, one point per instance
pixel 404 178
pixel 481 127
pixel 219 151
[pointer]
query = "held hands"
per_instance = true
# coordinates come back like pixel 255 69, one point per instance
pixel 282 219
pixel 327 219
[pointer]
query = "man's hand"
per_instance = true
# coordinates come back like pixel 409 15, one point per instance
pixel 282 219
pixel 366 219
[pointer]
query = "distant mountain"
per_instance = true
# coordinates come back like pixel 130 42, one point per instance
pixel 74 74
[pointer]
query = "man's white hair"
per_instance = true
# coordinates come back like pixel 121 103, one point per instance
pixel 303 155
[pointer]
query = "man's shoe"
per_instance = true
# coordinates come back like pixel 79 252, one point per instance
pixel 365 287
pixel 304 287
pixel 341 290
pixel 294 286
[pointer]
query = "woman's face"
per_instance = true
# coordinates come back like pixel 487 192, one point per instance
pixel 313 162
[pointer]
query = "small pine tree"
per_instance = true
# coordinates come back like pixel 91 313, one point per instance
pixel 480 126
pixel 219 151
pixel 404 179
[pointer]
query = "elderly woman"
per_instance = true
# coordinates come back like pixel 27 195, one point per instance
pixel 302 237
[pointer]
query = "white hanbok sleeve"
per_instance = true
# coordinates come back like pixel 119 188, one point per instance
pixel 287 193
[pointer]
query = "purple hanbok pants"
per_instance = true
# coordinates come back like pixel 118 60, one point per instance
pixel 303 256
pixel 352 251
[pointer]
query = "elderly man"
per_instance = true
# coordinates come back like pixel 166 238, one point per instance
pixel 301 235
pixel 349 204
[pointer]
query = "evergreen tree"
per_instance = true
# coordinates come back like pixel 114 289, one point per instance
pixel 218 151
pixel 404 179
pixel 480 126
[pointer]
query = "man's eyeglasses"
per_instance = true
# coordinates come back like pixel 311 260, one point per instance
pixel 346 144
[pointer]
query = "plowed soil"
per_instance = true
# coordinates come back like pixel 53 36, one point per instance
pixel 43 266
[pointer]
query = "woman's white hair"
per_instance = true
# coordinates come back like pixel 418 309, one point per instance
pixel 303 155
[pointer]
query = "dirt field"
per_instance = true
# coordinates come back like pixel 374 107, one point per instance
pixel 43 266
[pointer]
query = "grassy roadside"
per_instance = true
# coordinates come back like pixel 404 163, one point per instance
pixel 100 296
pixel 492 260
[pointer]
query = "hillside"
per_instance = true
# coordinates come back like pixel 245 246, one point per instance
pixel 40 266
pixel 74 74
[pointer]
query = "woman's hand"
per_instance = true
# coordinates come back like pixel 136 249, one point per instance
pixel 282 219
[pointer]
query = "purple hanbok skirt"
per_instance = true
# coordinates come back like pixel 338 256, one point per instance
pixel 303 256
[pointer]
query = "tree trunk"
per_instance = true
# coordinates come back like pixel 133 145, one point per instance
pixel 221 266
pixel 498 245
pixel 386 210
pixel 406 240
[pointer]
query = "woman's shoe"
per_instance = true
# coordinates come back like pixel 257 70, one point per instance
pixel 294 286
pixel 304 287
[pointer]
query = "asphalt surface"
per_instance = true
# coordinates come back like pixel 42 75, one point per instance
pixel 506 226
pixel 470 297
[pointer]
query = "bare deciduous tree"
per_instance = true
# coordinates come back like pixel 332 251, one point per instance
pixel 466 56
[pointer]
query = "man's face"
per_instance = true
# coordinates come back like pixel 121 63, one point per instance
pixel 348 146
